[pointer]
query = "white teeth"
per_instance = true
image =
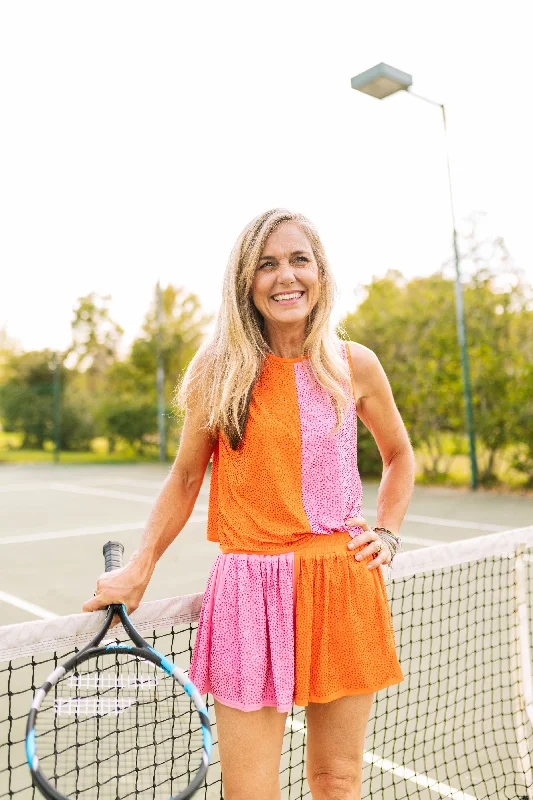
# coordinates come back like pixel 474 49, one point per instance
pixel 288 296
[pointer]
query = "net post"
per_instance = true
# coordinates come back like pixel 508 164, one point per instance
pixel 521 669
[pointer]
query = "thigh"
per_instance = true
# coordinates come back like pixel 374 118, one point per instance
pixel 250 744
pixel 335 740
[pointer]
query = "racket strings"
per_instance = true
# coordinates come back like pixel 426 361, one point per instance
pixel 118 727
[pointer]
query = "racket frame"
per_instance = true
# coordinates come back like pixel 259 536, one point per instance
pixel 141 649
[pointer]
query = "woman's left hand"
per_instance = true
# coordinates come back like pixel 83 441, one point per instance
pixel 373 539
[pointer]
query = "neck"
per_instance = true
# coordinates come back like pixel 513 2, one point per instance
pixel 285 345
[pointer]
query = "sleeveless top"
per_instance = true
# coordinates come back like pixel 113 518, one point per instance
pixel 291 478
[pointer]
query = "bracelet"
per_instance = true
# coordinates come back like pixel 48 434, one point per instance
pixel 393 542
pixel 390 543
pixel 385 530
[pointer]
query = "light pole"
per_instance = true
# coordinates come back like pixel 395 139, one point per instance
pixel 56 405
pixel 381 81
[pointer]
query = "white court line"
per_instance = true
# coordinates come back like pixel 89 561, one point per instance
pixel 76 489
pixel 445 523
pixel 140 482
pixel 22 487
pixel 443 789
pixel 25 606
pixel 419 541
pixel 136 498
pixel 102 529
pixel 43 485
pixel 141 498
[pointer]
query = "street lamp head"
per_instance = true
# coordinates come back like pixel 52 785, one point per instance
pixel 381 81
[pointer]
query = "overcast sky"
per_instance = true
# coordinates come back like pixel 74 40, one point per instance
pixel 137 140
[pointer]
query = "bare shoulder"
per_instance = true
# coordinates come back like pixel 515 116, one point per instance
pixel 375 403
pixel 367 369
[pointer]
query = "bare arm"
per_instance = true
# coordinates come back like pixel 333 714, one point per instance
pixel 378 411
pixel 172 509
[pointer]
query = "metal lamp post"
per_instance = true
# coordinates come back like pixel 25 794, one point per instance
pixel 56 405
pixel 381 81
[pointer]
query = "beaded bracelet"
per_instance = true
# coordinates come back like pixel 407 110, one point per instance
pixel 392 541
pixel 385 530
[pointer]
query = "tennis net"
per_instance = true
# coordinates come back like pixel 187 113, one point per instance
pixel 459 726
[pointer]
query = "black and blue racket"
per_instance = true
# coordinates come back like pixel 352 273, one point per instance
pixel 118 721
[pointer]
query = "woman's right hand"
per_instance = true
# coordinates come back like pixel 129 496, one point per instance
pixel 125 585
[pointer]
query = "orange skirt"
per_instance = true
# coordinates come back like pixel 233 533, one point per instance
pixel 344 636
pixel 300 626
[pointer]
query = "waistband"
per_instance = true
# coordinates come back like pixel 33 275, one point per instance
pixel 316 543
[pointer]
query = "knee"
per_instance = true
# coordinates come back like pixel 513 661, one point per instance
pixel 334 785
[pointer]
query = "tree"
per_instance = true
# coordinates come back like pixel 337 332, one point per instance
pixel 26 401
pixel 496 297
pixel 95 338
pixel 522 367
pixel 182 332
pixel 9 347
pixel 134 420
pixel 26 397
pixel 410 327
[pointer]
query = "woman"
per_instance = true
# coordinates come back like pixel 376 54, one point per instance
pixel 295 609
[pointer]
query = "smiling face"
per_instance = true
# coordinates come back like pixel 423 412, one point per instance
pixel 286 287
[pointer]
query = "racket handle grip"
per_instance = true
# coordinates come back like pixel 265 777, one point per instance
pixel 113 555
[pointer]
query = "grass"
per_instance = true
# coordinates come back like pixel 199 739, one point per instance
pixel 10 453
pixel 454 467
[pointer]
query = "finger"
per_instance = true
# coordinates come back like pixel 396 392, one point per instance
pixel 382 557
pixel 371 549
pixel 361 539
pixel 358 521
pixel 94 604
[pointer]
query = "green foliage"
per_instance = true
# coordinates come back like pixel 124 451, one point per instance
pixel 26 396
pixel 368 456
pixel 411 326
pixel 101 395
pixel 177 336
pixel 521 369
pixel 134 420
pixel 95 336
pixel 78 426
pixel 26 403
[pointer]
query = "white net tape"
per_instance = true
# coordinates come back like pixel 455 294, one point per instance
pixel 76 630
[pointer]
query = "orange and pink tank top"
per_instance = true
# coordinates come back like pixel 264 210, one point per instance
pixel 291 477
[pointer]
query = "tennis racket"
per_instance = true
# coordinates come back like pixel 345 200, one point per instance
pixel 118 721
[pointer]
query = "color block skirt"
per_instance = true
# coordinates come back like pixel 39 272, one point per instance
pixel 307 626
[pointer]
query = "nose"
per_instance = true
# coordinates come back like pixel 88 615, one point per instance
pixel 286 271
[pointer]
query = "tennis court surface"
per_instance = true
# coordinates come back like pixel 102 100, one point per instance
pixel 459 726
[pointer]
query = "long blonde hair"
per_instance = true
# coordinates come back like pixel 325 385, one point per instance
pixel 225 368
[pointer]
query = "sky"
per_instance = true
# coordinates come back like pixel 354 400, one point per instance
pixel 138 139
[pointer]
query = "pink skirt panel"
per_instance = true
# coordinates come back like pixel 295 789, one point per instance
pixel 244 649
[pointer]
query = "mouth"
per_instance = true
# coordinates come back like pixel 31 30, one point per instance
pixel 287 298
